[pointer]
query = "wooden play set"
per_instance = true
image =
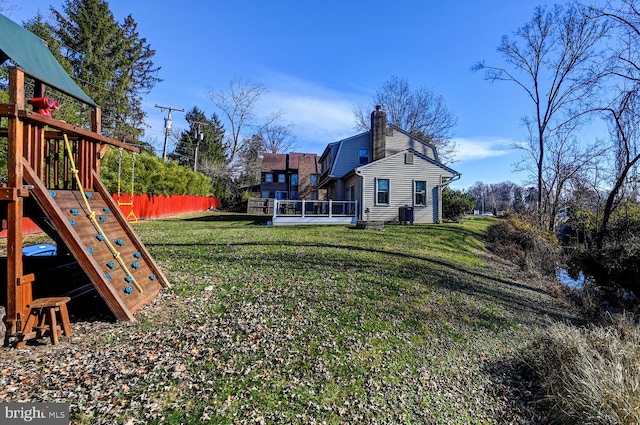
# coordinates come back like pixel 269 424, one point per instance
pixel 54 179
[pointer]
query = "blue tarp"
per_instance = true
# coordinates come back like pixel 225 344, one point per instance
pixel 42 250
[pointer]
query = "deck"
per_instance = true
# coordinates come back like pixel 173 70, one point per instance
pixel 303 212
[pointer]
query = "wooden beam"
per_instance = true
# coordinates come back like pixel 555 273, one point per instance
pixel 72 130
pixel 96 120
pixel 75 245
pixel 18 295
pixel 8 110
pixel 12 193
pixel 124 223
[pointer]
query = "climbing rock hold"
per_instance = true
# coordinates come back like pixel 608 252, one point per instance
pixel 108 276
pixel 102 219
pixel 72 222
pixel 129 279
pixel 137 255
pixel 128 290
pixel 74 211
pixel 152 277
pixel 111 265
pixel 106 210
pixel 52 194
pixel 88 195
pixel 100 238
pixel 135 265
pixel 119 242
pixel 90 249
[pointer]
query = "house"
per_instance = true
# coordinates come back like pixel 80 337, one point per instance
pixel 289 176
pixel 391 174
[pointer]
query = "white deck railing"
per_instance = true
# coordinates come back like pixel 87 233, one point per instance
pixel 293 212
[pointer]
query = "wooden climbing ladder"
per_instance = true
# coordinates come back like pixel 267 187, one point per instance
pixel 54 178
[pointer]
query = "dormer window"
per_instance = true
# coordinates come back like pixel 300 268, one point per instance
pixel 363 156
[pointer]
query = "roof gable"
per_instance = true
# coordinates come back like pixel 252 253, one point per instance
pixel 416 154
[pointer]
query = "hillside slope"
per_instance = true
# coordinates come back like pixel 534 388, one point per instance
pixel 413 324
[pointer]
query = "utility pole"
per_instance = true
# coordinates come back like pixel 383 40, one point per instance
pixel 167 126
pixel 199 138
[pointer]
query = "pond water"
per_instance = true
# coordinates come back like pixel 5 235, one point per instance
pixel 563 276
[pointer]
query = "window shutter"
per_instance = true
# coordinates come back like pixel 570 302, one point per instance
pixel 375 191
pixel 413 192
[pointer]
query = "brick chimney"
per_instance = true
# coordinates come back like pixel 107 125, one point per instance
pixel 378 133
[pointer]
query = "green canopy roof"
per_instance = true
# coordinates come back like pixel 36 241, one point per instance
pixel 30 53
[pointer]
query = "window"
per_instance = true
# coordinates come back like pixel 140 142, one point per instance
pixel 408 158
pixel 313 179
pixel 280 195
pixel 294 179
pixel 268 178
pixel 420 193
pixel 294 194
pixel 363 155
pixel 382 191
pixel 265 194
pixel 352 193
pixel 281 178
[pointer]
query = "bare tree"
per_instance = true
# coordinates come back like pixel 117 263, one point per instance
pixel 557 67
pixel 625 120
pixel 238 106
pixel 7 6
pixel 624 111
pixel 566 162
pixel 419 112
pixel 278 139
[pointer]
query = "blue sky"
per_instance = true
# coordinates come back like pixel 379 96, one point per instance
pixel 319 59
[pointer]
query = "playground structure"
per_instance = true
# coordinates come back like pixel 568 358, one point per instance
pixel 131 215
pixel 54 179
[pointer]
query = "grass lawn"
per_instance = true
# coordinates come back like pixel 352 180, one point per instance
pixel 315 324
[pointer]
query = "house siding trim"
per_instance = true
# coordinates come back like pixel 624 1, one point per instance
pixel 402 178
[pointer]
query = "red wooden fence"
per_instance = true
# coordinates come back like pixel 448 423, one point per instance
pixel 148 207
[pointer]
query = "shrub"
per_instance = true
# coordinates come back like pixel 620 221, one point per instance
pixel 152 176
pixel 616 265
pixel 514 239
pixel 588 375
pixel 456 203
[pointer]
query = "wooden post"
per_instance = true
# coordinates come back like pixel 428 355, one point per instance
pixel 96 127
pixel 18 291
pixel 37 143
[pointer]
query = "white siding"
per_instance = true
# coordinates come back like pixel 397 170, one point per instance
pixel 401 178
pixel 354 181
pixel 400 141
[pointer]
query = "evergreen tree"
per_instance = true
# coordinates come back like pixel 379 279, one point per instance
pixel 456 203
pixel 71 110
pixel 135 76
pixel 211 149
pixel 250 161
pixel 109 60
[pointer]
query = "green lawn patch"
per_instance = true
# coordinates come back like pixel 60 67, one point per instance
pixel 318 324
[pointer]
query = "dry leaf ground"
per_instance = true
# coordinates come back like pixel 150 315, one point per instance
pixel 413 324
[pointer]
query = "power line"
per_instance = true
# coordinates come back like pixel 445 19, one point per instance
pixel 199 138
pixel 167 126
